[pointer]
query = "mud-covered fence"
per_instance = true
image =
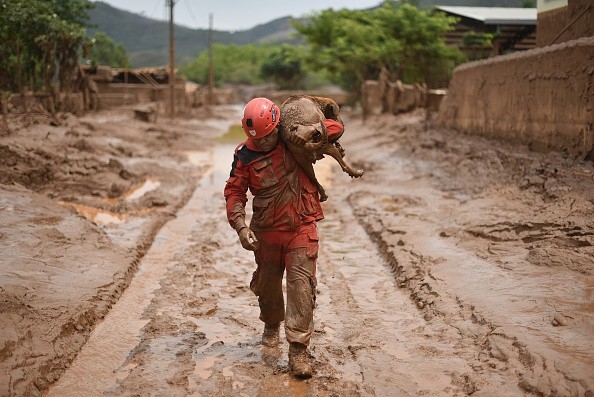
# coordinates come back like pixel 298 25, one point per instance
pixel 379 97
pixel 542 97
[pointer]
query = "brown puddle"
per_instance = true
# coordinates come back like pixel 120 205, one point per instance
pixel 139 191
pixel 94 214
pixel 104 217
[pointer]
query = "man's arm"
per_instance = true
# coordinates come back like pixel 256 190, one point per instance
pixel 236 194
pixel 236 199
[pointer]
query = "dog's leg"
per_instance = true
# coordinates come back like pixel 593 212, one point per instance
pixel 306 163
pixel 340 149
pixel 335 152
pixel 309 171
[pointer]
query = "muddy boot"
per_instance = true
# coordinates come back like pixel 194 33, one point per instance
pixel 299 361
pixel 270 336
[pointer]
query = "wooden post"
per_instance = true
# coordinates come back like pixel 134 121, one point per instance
pixel 171 3
pixel 210 63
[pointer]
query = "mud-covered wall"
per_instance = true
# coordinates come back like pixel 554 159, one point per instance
pixel 550 24
pixel 566 23
pixel 542 97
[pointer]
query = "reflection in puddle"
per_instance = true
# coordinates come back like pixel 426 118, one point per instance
pixel 96 215
pixel 147 186
pixel 218 161
pixel 234 135
pixel 105 217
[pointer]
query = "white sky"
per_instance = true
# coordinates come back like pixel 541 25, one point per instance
pixel 233 14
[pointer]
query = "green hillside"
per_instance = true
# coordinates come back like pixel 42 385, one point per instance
pixel 477 3
pixel 146 40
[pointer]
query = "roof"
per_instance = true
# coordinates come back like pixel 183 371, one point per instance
pixel 494 15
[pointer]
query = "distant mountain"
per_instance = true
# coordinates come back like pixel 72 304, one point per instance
pixel 147 40
pixel 477 3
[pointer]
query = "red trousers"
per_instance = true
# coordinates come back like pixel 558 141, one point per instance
pixel 296 252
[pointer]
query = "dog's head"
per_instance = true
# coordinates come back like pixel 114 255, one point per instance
pixel 328 106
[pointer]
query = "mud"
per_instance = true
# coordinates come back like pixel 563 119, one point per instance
pixel 80 203
pixel 456 266
pixel 492 238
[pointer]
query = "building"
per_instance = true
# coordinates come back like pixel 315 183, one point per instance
pixel 482 32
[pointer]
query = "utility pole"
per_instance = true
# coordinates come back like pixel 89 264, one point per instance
pixel 210 62
pixel 170 4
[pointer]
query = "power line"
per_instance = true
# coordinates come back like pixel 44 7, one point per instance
pixel 152 15
pixel 191 13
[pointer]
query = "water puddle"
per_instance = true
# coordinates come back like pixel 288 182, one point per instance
pixel 138 192
pixel 218 160
pixel 234 134
pixel 105 217
pixel 94 214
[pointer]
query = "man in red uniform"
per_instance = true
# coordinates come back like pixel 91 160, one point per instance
pixel 282 232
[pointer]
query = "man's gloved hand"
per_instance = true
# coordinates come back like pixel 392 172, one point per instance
pixel 248 239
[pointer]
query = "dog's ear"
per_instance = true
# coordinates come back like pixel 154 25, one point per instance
pixel 329 107
pixel 333 111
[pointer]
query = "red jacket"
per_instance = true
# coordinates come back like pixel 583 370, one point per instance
pixel 284 197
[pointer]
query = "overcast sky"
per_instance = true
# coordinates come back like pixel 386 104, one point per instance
pixel 233 14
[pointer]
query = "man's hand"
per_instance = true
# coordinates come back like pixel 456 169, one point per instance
pixel 248 239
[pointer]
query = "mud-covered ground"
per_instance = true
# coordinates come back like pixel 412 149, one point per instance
pixel 455 266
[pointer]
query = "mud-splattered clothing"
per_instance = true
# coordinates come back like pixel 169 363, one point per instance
pixel 286 208
pixel 284 197
pixel 297 252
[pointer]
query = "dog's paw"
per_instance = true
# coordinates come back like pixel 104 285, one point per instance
pixel 357 173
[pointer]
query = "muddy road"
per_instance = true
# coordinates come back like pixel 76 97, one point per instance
pixel 455 266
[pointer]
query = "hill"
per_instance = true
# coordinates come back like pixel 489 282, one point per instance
pixel 147 43
pixel 477 3
pixel 147 40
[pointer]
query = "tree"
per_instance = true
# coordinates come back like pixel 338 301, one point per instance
pixel 284 67
pixel 39 38
pixel 343 43
pixel 61 47
pixel 356 45
pixel 106 52
pixel 74 11
pixel 237 64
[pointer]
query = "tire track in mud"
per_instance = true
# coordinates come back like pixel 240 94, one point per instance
pixel 205 294
pixel 427 237
pixel 373 328
pixel 502 350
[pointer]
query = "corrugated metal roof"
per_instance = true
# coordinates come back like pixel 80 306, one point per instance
pixel 495 15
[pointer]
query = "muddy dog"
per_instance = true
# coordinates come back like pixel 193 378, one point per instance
pixel 302 128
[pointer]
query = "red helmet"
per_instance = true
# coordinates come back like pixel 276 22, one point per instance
pixel 260 117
